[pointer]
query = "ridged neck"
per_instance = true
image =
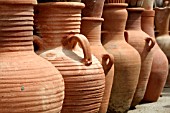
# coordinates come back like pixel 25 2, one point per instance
pixel 61 19
pixel 16 27
pixel 134 18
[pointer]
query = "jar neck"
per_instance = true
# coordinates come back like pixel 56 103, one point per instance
pixel 162 20
pixel 91 28
pixel 134 20
pixel 16 28
pixel 115 16
pixel 147 22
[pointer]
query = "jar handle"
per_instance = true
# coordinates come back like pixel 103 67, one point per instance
pixel 72 40
pixel 107 62
pixel 150 40
pixel 38 42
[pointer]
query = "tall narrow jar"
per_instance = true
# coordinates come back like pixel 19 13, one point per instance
pixel 91 28
pixel 84 78
pixel 28 83
pixel 126 59
pixel 159 70
pixel 162 16
pixel 143 43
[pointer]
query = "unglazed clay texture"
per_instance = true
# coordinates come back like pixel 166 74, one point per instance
pixel 83 74
pixel 91 28
pixel 126 59
pixel 28 83
pixel 159 70
pixel 140 41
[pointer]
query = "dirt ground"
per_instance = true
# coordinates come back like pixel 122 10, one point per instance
pixel 161 106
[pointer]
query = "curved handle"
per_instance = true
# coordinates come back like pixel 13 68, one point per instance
pixel 107 62
pixel 150 42
pixel 82 40
pixel 38 42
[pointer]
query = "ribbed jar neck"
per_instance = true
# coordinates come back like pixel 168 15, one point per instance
pixel 162 17
pixel 91 28
pixel 115 17
pixel 134 18
pixel 16 27
pixel 60 20
pixel 148 22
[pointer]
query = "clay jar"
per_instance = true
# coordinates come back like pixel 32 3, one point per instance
pixel 162 16
pixel 162 24
pixel 59 27
pixel 143 43
pixel 159 70
pixel 126 59
pixel 94 8
pixel 29 83
pixel 91 28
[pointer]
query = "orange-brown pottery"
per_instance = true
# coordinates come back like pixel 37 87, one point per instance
pixel 84 78
pixel 127 60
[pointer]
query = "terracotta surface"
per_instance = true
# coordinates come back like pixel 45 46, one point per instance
pixel 91 28
pixel 126 59
pixel 143 43
pixel 162 16
pixel 159 70
pixel 29 84
pixel 94 8
pixel 82 72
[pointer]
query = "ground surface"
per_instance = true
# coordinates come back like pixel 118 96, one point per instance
pixel 161 106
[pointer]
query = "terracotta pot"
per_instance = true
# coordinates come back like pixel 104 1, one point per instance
pixel 127 60
pixel 162 24
pixel 29 84
pixel 148 4
pixel 143 43
pixel 91 28
pixel 82 72
pixel 94 8
pixel 159 70
pixel 162 16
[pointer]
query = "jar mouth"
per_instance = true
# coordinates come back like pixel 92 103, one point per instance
pixel 63 4
pixel 25 2
pixel 106 5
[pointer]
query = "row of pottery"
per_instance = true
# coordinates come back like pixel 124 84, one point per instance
pixel 82 81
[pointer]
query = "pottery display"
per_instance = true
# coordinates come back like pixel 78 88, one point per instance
pixel 126 59
pixel 29 84
pixel 94 8
pixel 84 78
pixel 143 43
pixel 91 28
pixel 159 70
pixel 148 4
